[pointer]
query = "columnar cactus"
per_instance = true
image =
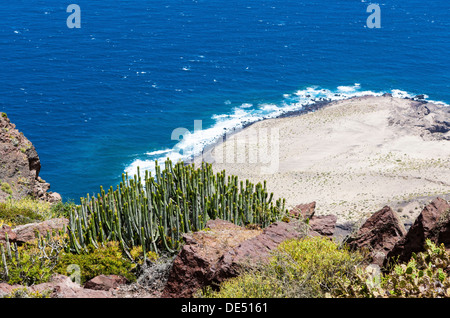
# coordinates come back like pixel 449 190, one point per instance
pixel 154 212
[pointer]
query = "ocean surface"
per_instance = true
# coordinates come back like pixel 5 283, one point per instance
pixel 102 99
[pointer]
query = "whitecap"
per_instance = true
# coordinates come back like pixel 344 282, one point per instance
pixel 193 143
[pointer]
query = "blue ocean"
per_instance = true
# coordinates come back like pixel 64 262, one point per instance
pixel 102 99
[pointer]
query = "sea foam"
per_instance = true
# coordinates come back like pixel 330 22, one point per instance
pixel 194 142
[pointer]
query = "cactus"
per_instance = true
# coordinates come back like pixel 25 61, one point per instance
pixel 153 212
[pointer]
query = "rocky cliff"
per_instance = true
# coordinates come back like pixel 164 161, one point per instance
pixel 20 166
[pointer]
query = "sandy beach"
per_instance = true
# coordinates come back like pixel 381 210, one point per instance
pixel 352 156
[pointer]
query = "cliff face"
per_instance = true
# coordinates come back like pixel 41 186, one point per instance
pixel 20 166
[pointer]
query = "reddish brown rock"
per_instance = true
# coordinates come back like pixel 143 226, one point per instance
pixel 323 224
pixel 217 253
pixel 59 286
pixel 27 233
pixel 432 223
pixel 6 230
pixel 105 282
pixel 191 268
pixel 6 289
pixel 305 210
pixel 378 234
pixel 62 287
pixel 255 250
pixel 20 165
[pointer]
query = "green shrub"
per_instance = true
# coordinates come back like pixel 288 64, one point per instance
pixel 25 293
pixel 4 115
pixel 32 263
pixel 26 210
pixel 310 267
pixel 62 209
pixel 106 260
pixel 5 187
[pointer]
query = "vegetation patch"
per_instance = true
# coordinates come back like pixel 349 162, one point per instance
pixel 5 187
pixel 155 211
pixel 307 268
pixel 105 260
pixel 30 210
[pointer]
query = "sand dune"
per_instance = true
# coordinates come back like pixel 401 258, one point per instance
pixel 352 156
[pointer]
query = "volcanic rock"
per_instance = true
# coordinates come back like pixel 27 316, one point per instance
pixel 27 233
pixel 323 224
pixel 305 210
pixel 432 223
pixel 378 234
pixel 20 166
pixel 210 256
pixel 105 282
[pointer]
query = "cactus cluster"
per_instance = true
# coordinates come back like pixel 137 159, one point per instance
pixel 155 211
pixel 32 263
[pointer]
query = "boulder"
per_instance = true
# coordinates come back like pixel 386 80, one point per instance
pixel 27 233
pixel 323 224
pixel 378 234
pixel 105 282
pixel 305 210
pixel 432 223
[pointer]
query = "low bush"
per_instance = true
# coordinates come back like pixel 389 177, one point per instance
pixel 27 210
pixel 32 263
pixel 105 260
pixel 310 267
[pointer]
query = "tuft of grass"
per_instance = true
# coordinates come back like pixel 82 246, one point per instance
pixel 5 187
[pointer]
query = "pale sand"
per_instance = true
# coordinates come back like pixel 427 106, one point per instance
pixel 352 157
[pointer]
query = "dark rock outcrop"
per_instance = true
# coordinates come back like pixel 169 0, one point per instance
pixel 430 121
pixel 20 166
pixel 378 235
pixel 192 267
pixel 432 223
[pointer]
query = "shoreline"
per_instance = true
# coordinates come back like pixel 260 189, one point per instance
pixel 350 171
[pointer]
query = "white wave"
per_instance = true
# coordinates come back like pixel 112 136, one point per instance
pixel 158 152
pixel 191 144
pixel 348 89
